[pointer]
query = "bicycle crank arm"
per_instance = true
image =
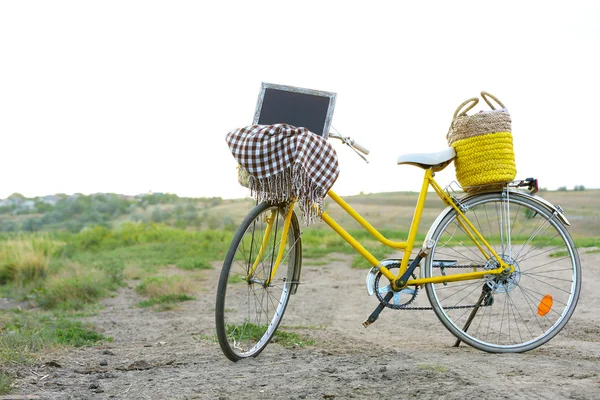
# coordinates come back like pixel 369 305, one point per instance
pixel 373 317
pixel 401 282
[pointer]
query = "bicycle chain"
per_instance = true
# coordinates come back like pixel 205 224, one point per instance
pixel 446 308
pixel 460 266
pixel 431 308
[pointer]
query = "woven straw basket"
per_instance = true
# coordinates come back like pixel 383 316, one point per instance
pixel 483 144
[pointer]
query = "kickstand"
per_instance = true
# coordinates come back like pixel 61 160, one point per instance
pixel 484 294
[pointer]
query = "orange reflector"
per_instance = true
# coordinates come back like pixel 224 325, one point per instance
pixel 545 305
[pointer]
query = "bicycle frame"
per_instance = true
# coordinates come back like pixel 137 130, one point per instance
pixel 407 246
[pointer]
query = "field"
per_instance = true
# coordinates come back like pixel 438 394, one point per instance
pixel 128 312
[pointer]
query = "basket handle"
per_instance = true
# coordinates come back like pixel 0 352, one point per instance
pixel 484 96
pixel 460 112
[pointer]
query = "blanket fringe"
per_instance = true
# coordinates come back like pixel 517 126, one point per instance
pixel 293 183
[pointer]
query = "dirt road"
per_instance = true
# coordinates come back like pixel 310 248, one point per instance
pixel 173 355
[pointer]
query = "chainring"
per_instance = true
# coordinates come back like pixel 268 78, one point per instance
pixel 397 302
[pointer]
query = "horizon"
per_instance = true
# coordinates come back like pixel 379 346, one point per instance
pixel 574 188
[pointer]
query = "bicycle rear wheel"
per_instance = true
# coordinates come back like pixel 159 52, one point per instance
pixel 249 308
pixel 514 313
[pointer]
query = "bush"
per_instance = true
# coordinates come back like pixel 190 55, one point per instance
pixel 26 258
pixel 73 288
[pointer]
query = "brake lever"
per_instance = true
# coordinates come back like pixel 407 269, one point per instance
pixel 348 142
pixel 356 151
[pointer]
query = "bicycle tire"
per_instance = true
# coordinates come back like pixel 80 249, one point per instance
pixel 247 313
pixel 511 314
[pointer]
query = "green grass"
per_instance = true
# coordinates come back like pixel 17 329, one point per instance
pixel 165 302
pixel 439 368
pixel 27 334
pixel 255 332
pixel 291 339
pixel 380 252
pixel 320 242
pixel 147 246
pixel 5 382
pixel 192 263
pixel 209 338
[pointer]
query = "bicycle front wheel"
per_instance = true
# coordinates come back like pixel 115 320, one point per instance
pixel 513 313
pixel 251 300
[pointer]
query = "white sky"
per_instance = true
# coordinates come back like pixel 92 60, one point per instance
pixel 132 96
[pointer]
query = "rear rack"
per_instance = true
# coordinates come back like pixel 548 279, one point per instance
pixel 529 184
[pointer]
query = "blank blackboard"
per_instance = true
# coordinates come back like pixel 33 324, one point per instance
pixel 311 109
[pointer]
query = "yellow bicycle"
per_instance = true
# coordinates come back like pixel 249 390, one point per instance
pixel 499 267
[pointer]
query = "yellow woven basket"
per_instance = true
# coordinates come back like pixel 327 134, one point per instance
pixel 483 144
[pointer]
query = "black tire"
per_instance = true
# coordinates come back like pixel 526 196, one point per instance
pixel 508 314
pixel 248 313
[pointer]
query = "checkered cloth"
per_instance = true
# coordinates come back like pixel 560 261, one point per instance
pixel 285 163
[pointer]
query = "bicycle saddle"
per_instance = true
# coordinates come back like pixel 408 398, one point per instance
pixel 436 161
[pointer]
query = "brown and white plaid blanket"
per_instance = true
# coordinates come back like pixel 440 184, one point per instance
pixel 286 163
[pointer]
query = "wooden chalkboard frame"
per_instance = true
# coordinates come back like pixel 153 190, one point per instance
pixel 289 102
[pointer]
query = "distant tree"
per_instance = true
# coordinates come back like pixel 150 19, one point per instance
pixel 178 211
pixel 215 201
pixel 8 226
pixel 16 196
pixel 137 217
pixel 7 209
pixel 562 189
pixel 159 215
pixel 31 225
pixel 41 207
pixel 579 188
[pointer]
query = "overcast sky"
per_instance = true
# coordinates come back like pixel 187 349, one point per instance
pixel 132 96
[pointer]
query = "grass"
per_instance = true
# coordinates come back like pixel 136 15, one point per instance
pixel 164 292
pixel 143 249
pixel 5 382
pixel 439 368
pixel 27 334
pixel 165 302
pixel 26 258
pixel 320 242
pixel 73 287
pixel 255 332
pixel 290 339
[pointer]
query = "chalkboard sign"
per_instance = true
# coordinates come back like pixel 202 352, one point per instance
pixel 311 109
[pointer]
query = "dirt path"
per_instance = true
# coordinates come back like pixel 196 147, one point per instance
pixel 169 355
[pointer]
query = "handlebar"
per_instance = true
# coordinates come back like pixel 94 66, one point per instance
pixel 350 142
pixel 360 148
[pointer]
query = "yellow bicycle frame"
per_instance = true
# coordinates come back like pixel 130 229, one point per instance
pixel 286 227
pixel 407 246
